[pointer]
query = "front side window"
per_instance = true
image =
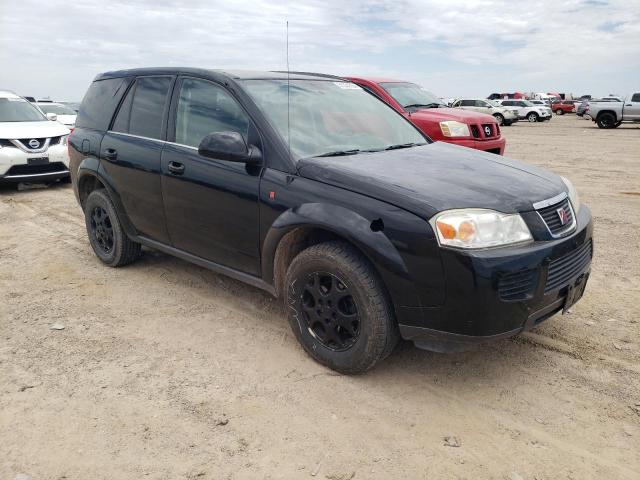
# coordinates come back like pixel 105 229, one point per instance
pixel 468 103
pixel 323 117
pixel 481 103
pixel 17 109
pixel 203 108
pixel 411 95
pixel 635 97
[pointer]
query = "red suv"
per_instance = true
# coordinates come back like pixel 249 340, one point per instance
pixel 431 115
pixel 563 106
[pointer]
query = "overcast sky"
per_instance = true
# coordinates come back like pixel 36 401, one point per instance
pixel 452 47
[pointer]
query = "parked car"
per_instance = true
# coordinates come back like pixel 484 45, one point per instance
pixel 611 114
pixel 528 111
pixel 503 115
pixel 541 103
pixel 32 148
pixel 308 187
pixel 431 115
pixel 563 106
pixel 64 114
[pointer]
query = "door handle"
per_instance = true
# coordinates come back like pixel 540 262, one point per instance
pixel 176 168
pixel 110 154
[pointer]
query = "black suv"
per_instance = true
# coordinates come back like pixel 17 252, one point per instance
pixel 308 187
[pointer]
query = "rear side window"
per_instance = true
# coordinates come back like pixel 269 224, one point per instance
pixel 100 102
pixel 467 103
pixel 142 111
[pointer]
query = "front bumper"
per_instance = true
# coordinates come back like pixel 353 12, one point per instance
pixel 493 145
pixel 15 165
pixel 497 293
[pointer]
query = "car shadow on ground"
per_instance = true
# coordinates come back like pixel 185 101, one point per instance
pixel 499 361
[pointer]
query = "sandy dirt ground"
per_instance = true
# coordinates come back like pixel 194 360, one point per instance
pixel 165 370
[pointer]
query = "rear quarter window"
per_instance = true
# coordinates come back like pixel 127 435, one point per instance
pixel 100 102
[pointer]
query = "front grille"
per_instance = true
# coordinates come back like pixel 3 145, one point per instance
pixel 551 217
pixel 6 143
pixel 25 143
pixel 484 130
pixel 564 269
pixel 54 141
pixel 475 131
pixel 518 285
pixel 35 169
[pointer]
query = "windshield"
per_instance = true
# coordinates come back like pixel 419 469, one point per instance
pixel 57 109
pixel 16 109
pixel 411 95
pixel 330 117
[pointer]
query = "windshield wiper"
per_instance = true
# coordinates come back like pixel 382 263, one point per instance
pixel 340 153
pixel 423 105
pixel 403 145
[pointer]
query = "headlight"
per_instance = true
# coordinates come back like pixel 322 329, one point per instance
pixel 573 195
pixel 478 228
pixel 64 139
pixel 454 129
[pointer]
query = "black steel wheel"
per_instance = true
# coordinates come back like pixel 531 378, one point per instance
pixel 330 311
pixel 102 229
pixel 339 309
pixel 606 120
pixel 107 238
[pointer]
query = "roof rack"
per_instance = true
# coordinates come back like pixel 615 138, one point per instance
pixel 322 75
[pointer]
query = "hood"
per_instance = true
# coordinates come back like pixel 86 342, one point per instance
pixel 457 114
pixel 46 128
pixel 436 177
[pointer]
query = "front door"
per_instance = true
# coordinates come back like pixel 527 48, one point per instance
pixel 632 108
pixel 211 205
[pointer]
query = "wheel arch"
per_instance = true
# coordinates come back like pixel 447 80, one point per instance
pixel 309 224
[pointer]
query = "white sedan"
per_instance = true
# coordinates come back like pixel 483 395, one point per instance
pixel 63 114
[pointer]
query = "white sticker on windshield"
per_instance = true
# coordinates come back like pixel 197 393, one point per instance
pixel 347 86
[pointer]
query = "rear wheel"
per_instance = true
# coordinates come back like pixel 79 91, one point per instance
pixel 338 308
pixel 106 236
pixel 606 120
pixel 499 118
pixel 532 117
pixel 559 112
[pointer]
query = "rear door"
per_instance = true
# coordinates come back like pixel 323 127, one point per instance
pixel 211 205
pixel 632 108
pixel 130 153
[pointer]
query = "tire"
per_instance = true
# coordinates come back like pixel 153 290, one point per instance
pixel 606 120
pixel 330 285
pixel 499 118
pixel 559 112
pixel 533 117
pixel 106 236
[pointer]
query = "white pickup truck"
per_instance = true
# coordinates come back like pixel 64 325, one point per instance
pixel 612 114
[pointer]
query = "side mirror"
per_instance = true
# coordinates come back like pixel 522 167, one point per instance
pixel 229 146
pixel 52 116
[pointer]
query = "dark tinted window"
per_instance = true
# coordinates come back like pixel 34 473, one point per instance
pixel 635 97
pixel 121 123
pixel 148 105
pixel 203 108
pixel 100 102
pixel 468 103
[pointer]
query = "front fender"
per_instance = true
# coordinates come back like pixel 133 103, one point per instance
pixel 377 246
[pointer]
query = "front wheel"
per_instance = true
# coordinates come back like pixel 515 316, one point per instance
pixel 532 117
pixel 338 308
pixel 499 118
pixel 559 112
pixel 106 236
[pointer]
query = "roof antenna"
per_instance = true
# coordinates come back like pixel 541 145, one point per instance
pixel 288 96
